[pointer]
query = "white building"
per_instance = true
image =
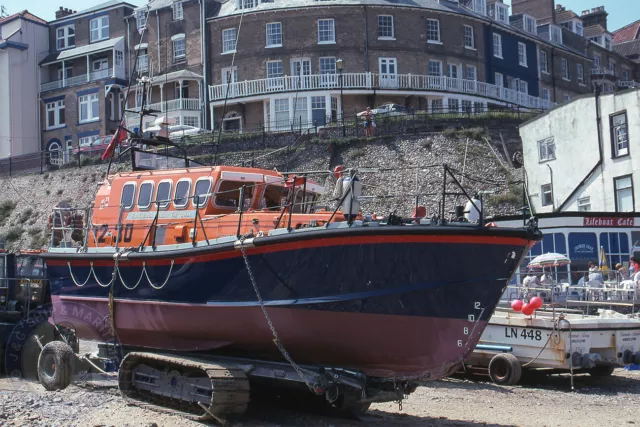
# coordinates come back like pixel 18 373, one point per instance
pixel 24 40
pixel 570 169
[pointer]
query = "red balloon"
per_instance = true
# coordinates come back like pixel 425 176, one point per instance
pixel 536 302
pixel 516 305
pixel 528 309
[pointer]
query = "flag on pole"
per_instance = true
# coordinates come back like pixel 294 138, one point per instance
pixel 118 137
pixel 603 259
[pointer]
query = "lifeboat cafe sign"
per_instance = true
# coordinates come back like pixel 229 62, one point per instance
pixel 606 221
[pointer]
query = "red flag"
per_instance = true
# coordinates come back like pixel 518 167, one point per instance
pixel 118 137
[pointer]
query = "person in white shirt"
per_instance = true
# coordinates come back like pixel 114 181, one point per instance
pixel 636 277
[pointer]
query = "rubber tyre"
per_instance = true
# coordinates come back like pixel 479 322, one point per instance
pixel 349 407
pixel 602 371
pixel 505 369
pixel 55 366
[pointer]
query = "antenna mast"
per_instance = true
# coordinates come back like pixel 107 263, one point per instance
pixel 3 11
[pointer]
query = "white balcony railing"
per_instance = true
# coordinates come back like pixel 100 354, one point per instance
pixel 189 104
pixel 628 83
pixel 375 81
pixel 83 78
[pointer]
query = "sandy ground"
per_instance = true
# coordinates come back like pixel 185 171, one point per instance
pixel 539 401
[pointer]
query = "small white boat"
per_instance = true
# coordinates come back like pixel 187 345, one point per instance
pixel 559 340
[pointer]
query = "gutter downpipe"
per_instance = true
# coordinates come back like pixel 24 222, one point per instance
pixel 158 31
pixel 599 163
pixel 203 57
pixel 366 39
pixel 128 47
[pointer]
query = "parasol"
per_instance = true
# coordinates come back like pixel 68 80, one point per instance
pixel 549 260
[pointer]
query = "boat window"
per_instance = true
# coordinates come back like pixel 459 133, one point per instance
pixel 144 195
pixel 128 195
pixel 163 195
pixel 274 197
pixel 202 190
pixel 29 266
pixel 304 205
pixel 228 194
pixel 181 198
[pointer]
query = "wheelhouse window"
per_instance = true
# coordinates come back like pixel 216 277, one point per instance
pixel 274 197
pixel 326 31
pixel 228 194
pixel 385 27
pixel 624 194
pixel 546 192
pixel 163 194
pixel 55 114
pixel 229 40
pixel 99 28
pixel 433 31
pixel 145 194
pixel 181 198
pixel 547 149
pixel 201 192
pixel 128 195
pixel 619 134
pixel 65 37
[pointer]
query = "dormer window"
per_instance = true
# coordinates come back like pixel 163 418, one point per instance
pixel 99 28
pixel 555 34
pixel 141 19
pixel 530 25
pixel 607 42
pixel 247 4
pixel 499 12
pixel 65 37
pixel 579 29
pixel 480 6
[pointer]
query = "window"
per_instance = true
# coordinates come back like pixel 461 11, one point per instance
pixel 584 204
pixel 300 111
pixel 565 69
pixel 555 34
pixel 89 108
pixel 68 72
pixel 281 109
pixel 547 195
pixel 179 48
pixel 86 141
pixel 275 71
pixel 466 106
pixel 522 54
pixel 274 34
pixel 497 45
pixel 99 28
pixel 596 62
pixel 544 64
pixel 499 12
pixel 580 72
pixel 55 114
pixel 472 73
pixel 612 67
pixel 328 65
pixel 547 149
pixel 247 4
pixel 100 64
pixel 65 37
pixel 469 38
pixel 616 247
pixel 201 192
pixel 625 75
pixel 385 27
pixel 128 195
pixel 228 194
pixel 453 71
pixel 436 105
pixel 143 60
pixel 433 31
pixel 624 194
pixel 480 6
pixel 579 29
pixel 607 42
pixel 181 90
pixel 145 194
pixel 523 87
pixel 435 68
pixel 499 79
pixel 530 24
pixel 546 95
pixel 619 134
pixel 453 104
pixel 229 40
pixel 178 13
pixel 567 97
pixel 191 121
pixel 163 195
pixel 326 31
pixel 318 110
pixel 141 19
pixel 181 198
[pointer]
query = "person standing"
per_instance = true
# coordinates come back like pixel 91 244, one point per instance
pixel 636 277
pixel 368 123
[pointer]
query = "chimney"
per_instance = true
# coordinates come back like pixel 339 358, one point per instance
pixel 62 12
pixel 594 16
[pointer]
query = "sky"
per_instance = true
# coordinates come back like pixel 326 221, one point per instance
pixel 621 12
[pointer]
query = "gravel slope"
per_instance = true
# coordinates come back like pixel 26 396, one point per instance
pixel 541 401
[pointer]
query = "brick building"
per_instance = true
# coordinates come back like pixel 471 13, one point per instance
pixel 83 77
pixel 167 39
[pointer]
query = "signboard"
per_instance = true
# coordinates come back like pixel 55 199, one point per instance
pixel 583 246
pixel 607 221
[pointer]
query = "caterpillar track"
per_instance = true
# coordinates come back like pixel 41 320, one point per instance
pixel 190 387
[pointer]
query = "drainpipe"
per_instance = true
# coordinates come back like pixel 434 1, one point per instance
pixel 600 153
pixel 128 48
pixel 553 74
pixel 158 32
pixel 366 40
pixel 553 197
pixel 205 90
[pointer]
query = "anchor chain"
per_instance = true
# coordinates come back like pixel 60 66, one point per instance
pixel 276 338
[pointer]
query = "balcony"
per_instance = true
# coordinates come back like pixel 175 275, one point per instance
pixel 374 81
pixel 186 104
pixel 628 83
pixel 81 79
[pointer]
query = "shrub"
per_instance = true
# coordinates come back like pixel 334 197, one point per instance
pixel 13 234
pixel 6 207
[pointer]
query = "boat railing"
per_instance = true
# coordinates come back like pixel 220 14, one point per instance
pixel 70 227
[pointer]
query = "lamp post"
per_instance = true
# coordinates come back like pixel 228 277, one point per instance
pixel 339 65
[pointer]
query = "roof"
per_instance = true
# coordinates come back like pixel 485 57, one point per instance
pixel 81 50
pixel 565 15
pixel 630 49
pixel 594 30
pixel 176 75
pixel 25 14
pixel 101 6
pixel 627 33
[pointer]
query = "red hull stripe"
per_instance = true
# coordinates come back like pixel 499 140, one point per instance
pixel 307 244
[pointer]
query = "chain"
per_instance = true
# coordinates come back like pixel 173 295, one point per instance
pixel 276 339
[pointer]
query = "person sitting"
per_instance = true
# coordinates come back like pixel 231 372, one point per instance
pixel 623 273
pixel 531 281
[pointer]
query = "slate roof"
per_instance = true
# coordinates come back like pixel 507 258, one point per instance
pixel 96 8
